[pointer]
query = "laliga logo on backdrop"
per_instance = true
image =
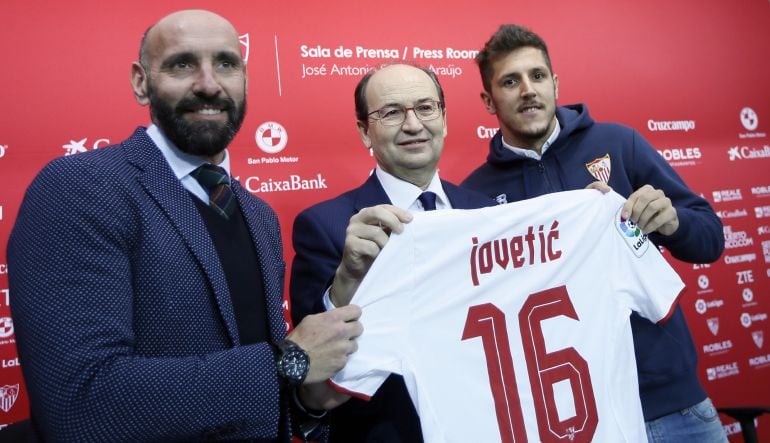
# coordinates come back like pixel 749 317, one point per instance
pixel 244 39
pixel 700 307
pixel 745 320
pixel 748 295
pixel 749 119
pixel 271 137
pixel 8 396
pixel 2 150
pixel 76 147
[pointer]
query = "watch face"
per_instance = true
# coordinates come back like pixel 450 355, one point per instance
pixel 295 364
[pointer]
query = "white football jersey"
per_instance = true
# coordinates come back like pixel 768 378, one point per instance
pixel 511 323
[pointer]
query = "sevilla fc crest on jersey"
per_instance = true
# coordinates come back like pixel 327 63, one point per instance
pixel 600 168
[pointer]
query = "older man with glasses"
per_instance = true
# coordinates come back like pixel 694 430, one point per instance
pixel 401 117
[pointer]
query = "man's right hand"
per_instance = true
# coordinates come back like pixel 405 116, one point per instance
pixel 328 338
pixel 366 235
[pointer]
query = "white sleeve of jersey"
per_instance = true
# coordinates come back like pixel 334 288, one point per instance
pixel 643 277
pixel 384 297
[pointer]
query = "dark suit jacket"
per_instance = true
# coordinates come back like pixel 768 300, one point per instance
pixel 124 323
pixel 318 239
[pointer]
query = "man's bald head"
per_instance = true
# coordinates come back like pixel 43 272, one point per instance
pixel 181 20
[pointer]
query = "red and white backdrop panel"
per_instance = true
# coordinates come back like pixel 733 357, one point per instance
pixel 691 77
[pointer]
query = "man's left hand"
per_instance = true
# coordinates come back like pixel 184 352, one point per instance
pixel 651 210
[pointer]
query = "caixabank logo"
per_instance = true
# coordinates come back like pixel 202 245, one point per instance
pixel 744 152
pixel 83 145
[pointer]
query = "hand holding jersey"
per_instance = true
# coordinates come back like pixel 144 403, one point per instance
pixel 651 210
pixel 365 237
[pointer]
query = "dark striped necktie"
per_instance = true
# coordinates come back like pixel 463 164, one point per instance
pixel 216 181
pixel 428 200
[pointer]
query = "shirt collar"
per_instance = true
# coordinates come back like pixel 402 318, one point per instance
pixel 403 194
pixel 181 163
pixel 532 154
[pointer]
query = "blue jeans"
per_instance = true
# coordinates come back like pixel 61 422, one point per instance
pixel 697 424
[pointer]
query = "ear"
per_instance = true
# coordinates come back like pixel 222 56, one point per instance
pixel 555 87
pixel 363 132
pixel 139 84
pixel 488 103
pixel 445 126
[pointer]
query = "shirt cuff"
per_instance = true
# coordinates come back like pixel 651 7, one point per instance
pixel 328 300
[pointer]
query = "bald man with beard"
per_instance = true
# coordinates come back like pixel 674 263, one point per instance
pixel 147 299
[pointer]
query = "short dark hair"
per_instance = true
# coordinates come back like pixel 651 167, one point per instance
pixel 507 39
pixel 362 107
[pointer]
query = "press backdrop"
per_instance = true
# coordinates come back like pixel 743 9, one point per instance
pixel 691 76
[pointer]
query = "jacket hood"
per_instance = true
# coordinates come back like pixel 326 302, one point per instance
pixel 572 118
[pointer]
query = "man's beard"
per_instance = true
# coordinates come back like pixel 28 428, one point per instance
pixel 202 138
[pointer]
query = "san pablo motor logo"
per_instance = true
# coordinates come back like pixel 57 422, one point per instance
pixel 271 137
pixel 8 396
pixel 600 168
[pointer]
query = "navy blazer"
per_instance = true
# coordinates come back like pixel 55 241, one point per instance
pixel 318 239
pixel 124 323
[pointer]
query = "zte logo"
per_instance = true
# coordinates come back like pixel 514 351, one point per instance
pixel 745 277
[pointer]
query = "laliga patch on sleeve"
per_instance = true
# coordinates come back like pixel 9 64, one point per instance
pixel 633 236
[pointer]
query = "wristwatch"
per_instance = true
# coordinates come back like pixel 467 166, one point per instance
pixel 292 361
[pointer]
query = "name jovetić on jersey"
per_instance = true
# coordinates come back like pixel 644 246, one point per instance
pixel 511 323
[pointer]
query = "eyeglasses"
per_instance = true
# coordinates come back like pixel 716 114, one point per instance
pixel 394 115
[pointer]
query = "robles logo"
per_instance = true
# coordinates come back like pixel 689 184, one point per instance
pixel 681 156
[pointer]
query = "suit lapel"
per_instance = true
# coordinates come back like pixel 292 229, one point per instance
pixel 371 193
pixel 161 184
